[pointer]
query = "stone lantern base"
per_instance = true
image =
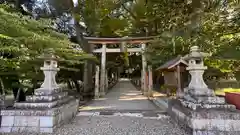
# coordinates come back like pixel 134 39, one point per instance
pixel 203 98
pixel 41 113
pixel 203 121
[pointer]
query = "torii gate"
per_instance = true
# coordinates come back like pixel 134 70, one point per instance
pixel 146 80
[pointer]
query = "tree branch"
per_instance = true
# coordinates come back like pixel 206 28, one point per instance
pixel 131 13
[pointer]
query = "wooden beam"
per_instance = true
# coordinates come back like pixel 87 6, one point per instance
pixel 179 89
pixel 131 40
pixel 117 41
pixel 114 50
pixel 120 38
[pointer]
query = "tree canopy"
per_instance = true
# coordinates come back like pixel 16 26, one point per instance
pixel 211 24
pixel 23 40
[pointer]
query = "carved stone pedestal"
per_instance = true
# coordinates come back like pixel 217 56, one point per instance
pixel 207 100
pixel 40 113
pixel 205 121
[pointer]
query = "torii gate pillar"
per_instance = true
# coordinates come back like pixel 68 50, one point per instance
pixel 97 82
pixel 150 81
pixel 144 71
pixel 103 71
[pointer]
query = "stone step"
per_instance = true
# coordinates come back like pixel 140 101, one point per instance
pixel 125 111
pixel 32 105
pixel 148 115
pixel 50 98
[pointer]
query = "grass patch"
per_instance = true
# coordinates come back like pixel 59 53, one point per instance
pixel 221 92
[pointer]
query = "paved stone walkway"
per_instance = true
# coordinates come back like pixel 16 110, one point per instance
pixel 123 96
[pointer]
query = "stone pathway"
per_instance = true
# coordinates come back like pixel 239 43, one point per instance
pixel 123 111
pixel 122 97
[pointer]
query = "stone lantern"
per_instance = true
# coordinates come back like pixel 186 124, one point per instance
pixel 196 68
pixel 50 69
pixel 197 94
pixel 199 110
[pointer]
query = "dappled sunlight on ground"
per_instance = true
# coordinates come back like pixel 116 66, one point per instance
pixel 87 108
pixel 132 98
pixel 123 79
pixel 130 94
pixel 100 99
pixel 158 94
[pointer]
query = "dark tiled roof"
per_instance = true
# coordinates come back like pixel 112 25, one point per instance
pixel 172 63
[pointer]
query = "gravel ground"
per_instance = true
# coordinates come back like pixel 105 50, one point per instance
pixel 116 125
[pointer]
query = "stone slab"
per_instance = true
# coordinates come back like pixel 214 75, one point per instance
pixel 46 92
pixel 194 105
pixel 33 121
pixel 162 103
pixel 7 121
pixel 48 98
pixel 52 104
pixel 200 91
pixel 37 112
pixel 205 121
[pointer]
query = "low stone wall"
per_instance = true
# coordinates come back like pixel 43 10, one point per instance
pixel 205 121
pixel 44 121
pixel 223 84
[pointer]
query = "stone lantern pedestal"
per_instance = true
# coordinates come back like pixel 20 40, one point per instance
pixel 199 110
pixel 47 109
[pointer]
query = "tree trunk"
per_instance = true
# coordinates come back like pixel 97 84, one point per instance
pixel 18 92
pixel 87 65
pixel 86 48
pixel 88 74
pixel 86 79
pixel 18 5
pixel 78 89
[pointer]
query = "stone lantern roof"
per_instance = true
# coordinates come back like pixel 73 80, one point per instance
pixel 195 53
pixel 49 54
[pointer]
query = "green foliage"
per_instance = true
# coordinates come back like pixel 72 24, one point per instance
pixel 215 30
pixel 23 40
pixel 170 90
